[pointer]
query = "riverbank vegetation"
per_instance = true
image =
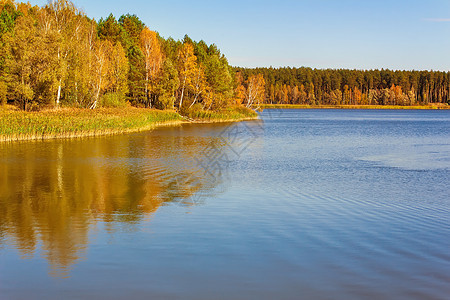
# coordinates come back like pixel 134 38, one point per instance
pixel 306 86
pixel 75 122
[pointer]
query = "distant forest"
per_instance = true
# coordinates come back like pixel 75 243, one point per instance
pixel 352 87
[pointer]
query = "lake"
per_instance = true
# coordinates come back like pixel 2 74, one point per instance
pixel 302 204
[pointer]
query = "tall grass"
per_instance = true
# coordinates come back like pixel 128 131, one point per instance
pixel 66 123
pixel 19 125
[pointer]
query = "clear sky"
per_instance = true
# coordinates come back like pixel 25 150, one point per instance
pixel 355 34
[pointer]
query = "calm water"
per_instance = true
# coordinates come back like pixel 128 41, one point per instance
pixel 323 204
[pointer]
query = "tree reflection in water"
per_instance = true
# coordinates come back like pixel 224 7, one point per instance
pixel 53 193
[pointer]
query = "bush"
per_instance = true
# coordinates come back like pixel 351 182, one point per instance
pixel 196 111
pixel 113 100
pixel 165 101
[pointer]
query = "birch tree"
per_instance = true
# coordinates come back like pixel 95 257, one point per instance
pixel 118 71
pixel 100 70
pixel 255 93
pixel 153 58
pixel 187 66
pixel 63 17
pixel 198 84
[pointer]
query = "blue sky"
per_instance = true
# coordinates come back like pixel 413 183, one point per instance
pixel 355 34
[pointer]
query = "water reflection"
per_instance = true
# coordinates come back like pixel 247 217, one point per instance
pixel 53 193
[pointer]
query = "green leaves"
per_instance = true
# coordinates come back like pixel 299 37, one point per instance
pixel 8 17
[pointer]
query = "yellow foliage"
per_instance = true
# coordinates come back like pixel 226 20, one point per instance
pixel 187 69
pixel 255 93
pixel 153 58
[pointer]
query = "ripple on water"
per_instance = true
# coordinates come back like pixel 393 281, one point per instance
pixel 352 236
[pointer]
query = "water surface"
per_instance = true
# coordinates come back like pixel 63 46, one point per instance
pixel 323 204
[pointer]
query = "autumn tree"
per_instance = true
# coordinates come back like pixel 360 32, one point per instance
pixel 29 62
pixel 255 93
pixel 199 85
pixel 61 18
pixel 168 83
pixel 3 93
pixel 153 58
pixel 100 68
pixel 21 59
pixel 239 92
pixel 187 69
pixel 295 95
pixel 80 72
pixel 117 71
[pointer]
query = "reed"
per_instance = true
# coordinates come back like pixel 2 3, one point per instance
pixel 65 123
pixel 18 125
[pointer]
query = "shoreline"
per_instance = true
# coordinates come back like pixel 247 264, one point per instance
pixel 385 107
pixel 18 126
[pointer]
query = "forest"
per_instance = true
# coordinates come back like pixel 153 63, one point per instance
pixel 351 87
pixel 56 56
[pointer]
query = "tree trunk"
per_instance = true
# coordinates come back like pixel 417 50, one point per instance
pixel 182 92
pixel 195 100
pixel 181 98
pixel 146 90
pixel 58 97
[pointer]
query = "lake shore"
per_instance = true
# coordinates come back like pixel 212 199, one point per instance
pixel 304 106
pixel 76 123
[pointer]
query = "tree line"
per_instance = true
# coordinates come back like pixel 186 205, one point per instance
pixel 55 55
pixel 351 87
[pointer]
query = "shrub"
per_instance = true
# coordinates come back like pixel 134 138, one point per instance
pixel 113 100
pixel 165 101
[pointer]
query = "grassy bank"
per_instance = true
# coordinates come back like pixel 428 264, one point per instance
pixel 67 123
pixel 302 106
